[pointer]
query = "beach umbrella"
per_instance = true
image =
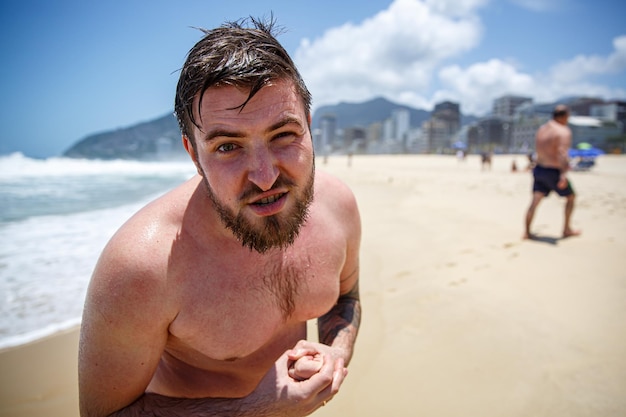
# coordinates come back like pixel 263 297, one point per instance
pixel 586 153
pixel 459 145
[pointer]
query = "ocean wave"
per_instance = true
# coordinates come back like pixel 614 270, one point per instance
pixel 45 266
pixel 17 165
pixel 32 187
pixel 56 216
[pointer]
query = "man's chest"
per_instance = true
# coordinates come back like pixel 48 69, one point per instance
pixel 232 307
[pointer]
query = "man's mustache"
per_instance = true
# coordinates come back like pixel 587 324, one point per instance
pixel 253 190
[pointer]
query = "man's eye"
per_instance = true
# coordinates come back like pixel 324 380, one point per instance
pixel 283 135
pixel 227 147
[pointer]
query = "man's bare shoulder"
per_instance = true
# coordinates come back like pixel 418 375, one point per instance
pixel 330 190
pixel 335 203
pixel 143 242
pixel 326 183
pixel 553 129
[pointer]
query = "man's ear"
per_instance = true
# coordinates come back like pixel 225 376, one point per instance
pixel 191 151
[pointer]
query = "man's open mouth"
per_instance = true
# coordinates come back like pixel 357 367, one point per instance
pixel 269 200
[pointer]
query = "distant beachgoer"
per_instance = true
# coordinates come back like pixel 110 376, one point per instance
pixel 552 143
pixel 531 162
pixel 199 304
pixel 485 159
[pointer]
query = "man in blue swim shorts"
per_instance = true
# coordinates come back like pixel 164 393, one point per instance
pixel 552 143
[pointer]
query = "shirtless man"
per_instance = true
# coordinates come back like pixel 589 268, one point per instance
pixel 552 143
pixel 198 304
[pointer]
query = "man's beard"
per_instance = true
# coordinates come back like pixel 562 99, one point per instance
pixel 276 231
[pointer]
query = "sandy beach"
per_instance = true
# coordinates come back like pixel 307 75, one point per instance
pixel 461 317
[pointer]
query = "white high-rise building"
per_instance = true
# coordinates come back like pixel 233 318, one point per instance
pixel 401 124
pixel 328 132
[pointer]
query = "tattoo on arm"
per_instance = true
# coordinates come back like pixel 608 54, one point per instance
pixel 339 327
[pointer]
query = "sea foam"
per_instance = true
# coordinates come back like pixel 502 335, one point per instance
pixel 56 216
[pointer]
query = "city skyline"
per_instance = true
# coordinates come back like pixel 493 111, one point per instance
pixel 509 128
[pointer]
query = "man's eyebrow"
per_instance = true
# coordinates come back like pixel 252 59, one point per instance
pixel 221 132
pixel 287 120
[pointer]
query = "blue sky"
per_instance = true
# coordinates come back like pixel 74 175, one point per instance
pixel 72 68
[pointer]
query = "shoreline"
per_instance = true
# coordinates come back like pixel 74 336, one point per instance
pixel 51 330
pixel 461 316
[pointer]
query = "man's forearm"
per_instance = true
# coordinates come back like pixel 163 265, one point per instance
pixel 154 405
pixel 340 326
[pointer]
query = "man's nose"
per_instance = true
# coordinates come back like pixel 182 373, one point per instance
pixel 262 171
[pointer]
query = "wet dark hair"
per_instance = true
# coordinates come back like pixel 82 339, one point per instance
pixel 560 111
pixel 244 53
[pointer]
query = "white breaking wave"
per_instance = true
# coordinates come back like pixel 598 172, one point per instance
pixel 17 165
pixel 56 216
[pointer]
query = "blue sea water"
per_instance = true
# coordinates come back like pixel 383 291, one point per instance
pixel 56 216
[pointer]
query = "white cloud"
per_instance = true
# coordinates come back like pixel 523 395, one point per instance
pixel 404 53
pixel 477 86
pixel 458 8
pixel 583 66
pixel 393 53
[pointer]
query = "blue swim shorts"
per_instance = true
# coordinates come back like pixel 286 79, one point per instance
pixel 546 180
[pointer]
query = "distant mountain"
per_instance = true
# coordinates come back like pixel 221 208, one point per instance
pixel 161 139
pixel 373 111
pixel 155 139
pixel 366 113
